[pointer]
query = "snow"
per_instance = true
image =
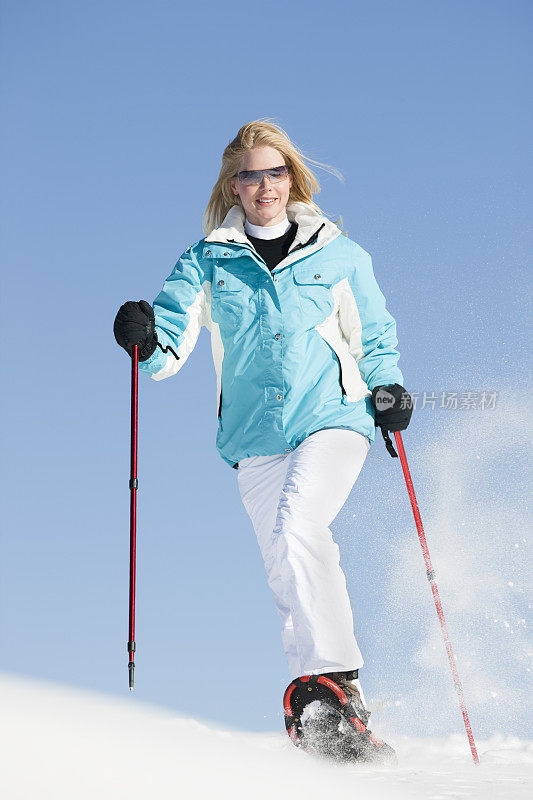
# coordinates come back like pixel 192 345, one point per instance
pixel 58 742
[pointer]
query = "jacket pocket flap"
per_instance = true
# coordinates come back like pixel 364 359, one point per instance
pixel 224 281
pixel 324 276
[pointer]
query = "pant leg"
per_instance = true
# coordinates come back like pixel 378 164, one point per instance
pixel 292 499
pixel 260 480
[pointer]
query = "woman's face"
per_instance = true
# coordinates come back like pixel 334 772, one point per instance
pixel 263 158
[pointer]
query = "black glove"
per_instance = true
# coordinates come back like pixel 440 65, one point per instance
pixel 394 406
pixel 135 324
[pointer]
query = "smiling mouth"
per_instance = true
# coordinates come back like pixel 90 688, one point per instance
pixel 266 201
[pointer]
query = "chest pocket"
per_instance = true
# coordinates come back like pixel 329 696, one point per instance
pixel 314 289
pixel 229 294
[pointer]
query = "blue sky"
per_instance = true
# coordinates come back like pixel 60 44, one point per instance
pixel 115 118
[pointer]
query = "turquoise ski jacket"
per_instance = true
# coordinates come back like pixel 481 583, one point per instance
pixel 295 350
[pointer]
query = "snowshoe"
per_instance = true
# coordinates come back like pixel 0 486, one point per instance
pixel 326 717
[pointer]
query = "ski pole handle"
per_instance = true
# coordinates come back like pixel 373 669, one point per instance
pixel 133 508
pixel 432 582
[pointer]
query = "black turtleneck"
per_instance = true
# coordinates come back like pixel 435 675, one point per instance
pixel 272 251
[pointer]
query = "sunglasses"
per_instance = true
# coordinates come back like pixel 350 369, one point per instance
pixel 250 177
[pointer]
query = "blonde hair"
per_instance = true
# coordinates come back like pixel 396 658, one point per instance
pixel 260 133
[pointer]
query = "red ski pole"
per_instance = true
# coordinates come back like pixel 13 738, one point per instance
pixel 431 578
pixel 133 508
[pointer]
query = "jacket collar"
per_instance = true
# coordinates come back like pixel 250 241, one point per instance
pixel 309 222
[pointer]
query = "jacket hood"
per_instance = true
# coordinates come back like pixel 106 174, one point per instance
pixel 309 222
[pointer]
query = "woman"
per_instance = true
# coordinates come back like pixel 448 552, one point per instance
pixel 302 345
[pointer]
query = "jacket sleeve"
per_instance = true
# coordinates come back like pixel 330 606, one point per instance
pixel 179 311
pixel 367 326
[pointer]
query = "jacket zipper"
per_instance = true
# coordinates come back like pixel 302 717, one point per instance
pixel 340 375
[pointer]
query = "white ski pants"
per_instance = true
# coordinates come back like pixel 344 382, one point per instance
pixel 291 499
